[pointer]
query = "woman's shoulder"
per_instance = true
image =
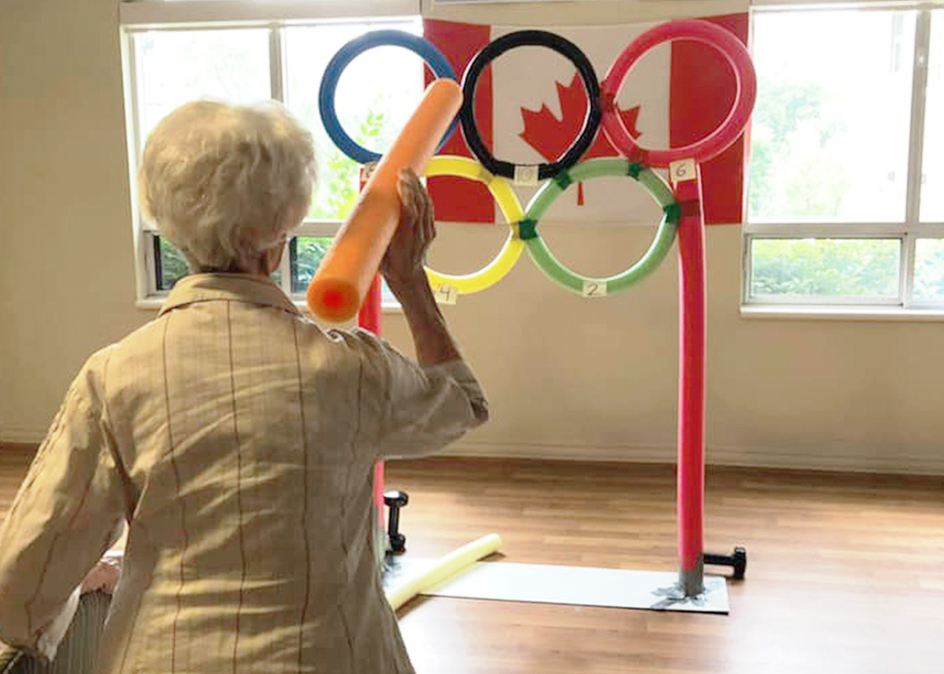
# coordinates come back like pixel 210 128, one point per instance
pixel 353 349
pixel 363 344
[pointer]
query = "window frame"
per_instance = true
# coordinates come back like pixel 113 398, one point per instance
pixel 206 15
pixel 156 14
pixel 905 306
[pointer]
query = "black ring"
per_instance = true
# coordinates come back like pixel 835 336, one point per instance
pixel 530 38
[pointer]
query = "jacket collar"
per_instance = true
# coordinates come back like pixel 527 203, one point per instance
pixel 227 287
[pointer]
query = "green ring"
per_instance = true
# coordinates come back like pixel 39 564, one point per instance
pixel 599 168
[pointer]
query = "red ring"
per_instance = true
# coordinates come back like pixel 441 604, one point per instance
pixel 718 140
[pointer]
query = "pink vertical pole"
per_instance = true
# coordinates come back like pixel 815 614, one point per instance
pixel 691 419
pixel 370 318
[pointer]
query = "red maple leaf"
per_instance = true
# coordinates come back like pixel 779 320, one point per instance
pixel 551 136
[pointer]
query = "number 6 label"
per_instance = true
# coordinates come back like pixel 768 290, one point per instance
pixel 594 288
pixel 682 170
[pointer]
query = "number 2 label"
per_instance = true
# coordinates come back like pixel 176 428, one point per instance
pixel 594 289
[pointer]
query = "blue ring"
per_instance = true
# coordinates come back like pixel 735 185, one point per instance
pixel 332 74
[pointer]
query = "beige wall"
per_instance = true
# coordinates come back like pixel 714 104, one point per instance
pixel 567 377
pixel 66 264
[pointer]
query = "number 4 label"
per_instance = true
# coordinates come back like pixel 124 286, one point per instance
pixel 682 170
pixel 446 294
pixel 594 289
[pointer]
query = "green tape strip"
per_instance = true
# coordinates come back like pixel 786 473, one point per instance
pixel 528 229
pixel 563 180
pixel 673 213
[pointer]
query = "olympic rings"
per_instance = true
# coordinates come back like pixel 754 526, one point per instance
pixel 591 124
pixel 329 82
pixel 597 168
pixel 501 191
pixel 565 170
pixel 718 140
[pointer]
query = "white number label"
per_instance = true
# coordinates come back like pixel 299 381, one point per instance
pixel 682 170
pixel 446 294
pixel 594 289
pixel 526 174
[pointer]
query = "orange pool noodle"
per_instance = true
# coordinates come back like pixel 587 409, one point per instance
pixel 344 277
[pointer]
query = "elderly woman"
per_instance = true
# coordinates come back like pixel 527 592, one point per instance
pixel 233 436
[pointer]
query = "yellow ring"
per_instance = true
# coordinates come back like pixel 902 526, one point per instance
pixel 507 200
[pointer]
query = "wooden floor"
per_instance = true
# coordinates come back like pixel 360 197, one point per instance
pixel 846 572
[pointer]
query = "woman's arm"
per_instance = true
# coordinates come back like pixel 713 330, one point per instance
pixel 403 269
pixel 420 409
pixel 62 520
pixel 431 338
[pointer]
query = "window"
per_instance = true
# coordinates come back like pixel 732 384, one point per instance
pixel 845 200
pixel 178 62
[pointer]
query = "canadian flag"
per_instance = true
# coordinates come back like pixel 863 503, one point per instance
pixel 530 105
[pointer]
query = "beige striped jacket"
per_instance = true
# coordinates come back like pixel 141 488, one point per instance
pixel 236 439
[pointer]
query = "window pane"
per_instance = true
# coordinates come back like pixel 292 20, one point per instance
pixel 932 194
pixel 305 254
pixel 929 271
pixel 176 67
pixel 386 296
pixel 169 264
pixel 829 138
pixel 828 268
pixel 376 94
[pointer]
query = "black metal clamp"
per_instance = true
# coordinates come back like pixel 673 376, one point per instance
pixel 736 560
pixel 394 500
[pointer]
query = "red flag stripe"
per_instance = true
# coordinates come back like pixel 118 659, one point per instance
pixel 457 199
pixel 701 92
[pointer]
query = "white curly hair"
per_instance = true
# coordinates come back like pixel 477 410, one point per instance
pixel 226 183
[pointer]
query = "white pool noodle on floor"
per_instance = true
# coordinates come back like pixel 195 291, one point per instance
pixel 444 568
